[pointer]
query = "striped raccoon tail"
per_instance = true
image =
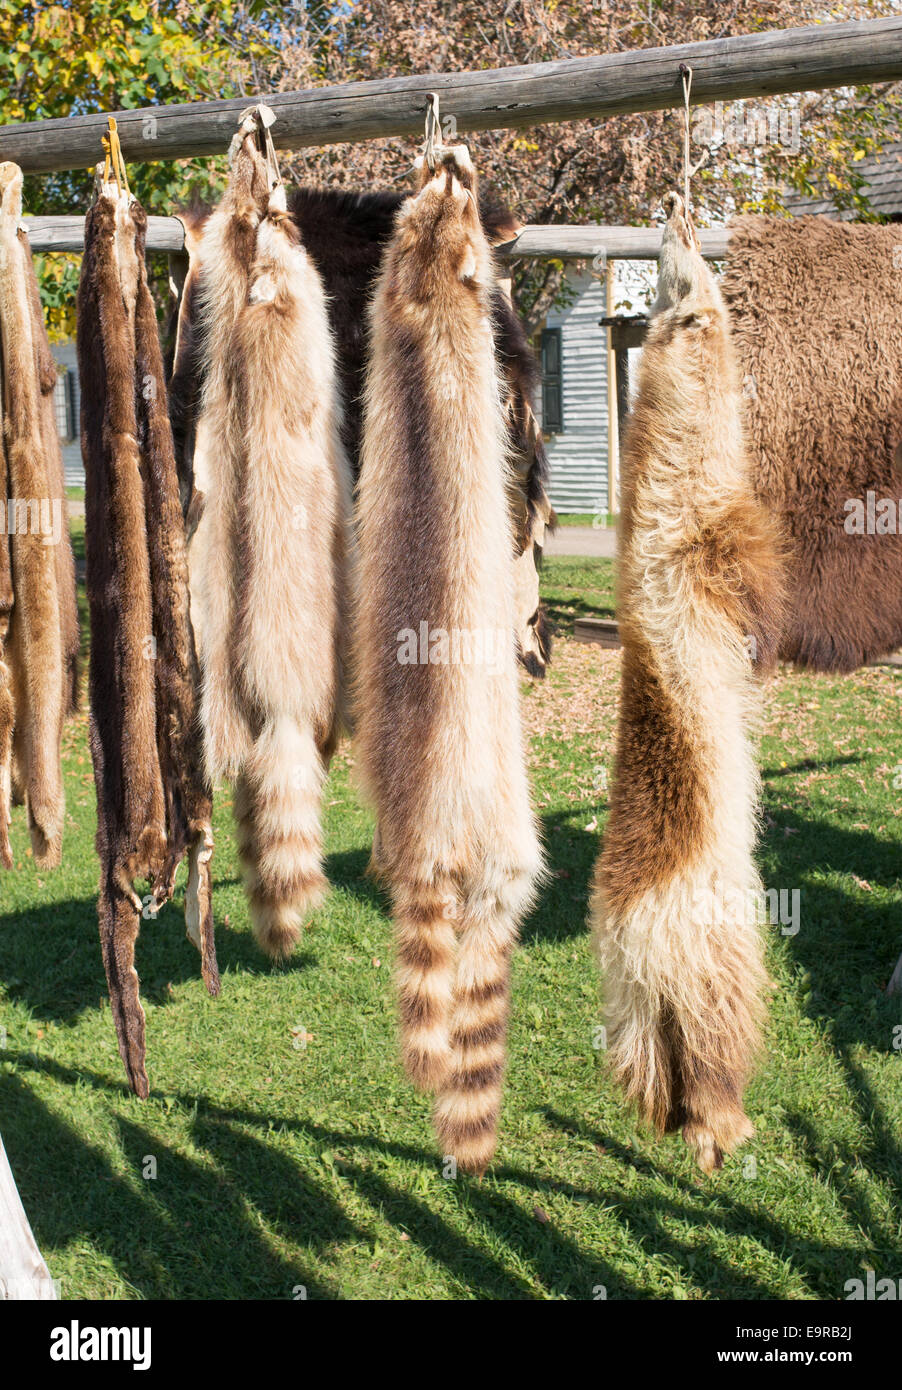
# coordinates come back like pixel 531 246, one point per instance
pixel 277 800
pixel 425 917
pixel 468 1104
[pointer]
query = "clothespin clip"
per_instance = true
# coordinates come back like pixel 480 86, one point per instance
pixel 114 161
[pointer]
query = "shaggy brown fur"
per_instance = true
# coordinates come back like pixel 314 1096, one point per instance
pixel 439 732
pixel 7 713
pixel 268 558
pixel 346 235
pixel 699 577
pixel 188 799
pixel 184 370
pixel 151 799
pixel 67 591
pixel 815 308
pixel 34 647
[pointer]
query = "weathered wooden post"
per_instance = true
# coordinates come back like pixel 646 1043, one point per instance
pixel 23 1273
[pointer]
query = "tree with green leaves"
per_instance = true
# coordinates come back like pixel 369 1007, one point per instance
pixel 104 55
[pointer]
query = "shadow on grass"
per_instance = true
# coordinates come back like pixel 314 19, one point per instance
pixel 188 1232
pixel 563 611
pixel 652 1223
pixel 56 970
pixel 562 905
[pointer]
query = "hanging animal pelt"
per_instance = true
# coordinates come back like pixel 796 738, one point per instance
pixel 32 759
pixel 7 713
pixel 269 556
pixel 816 307
pixel 346 234
pixel 437 706
pixel 185 364
pixel 674 906
pixel 67 591
pixel 153 801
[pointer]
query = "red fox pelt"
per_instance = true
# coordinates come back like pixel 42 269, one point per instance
pixel 268 558
pixel 437 705
pixel 33 696
pixel 152 801
pixel 699 608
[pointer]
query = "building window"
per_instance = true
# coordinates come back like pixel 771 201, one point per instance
pixel 552 382
pixel 64 404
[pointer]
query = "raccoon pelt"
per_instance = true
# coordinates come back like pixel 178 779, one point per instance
pixel 34 656
pixel 346 234
pixel 438 718
pixel 269 555
pixel 699 607
pixel 815 307
pixel 152 801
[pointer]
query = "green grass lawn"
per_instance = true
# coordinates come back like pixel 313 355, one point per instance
pixel 282 1147
pixel 586 519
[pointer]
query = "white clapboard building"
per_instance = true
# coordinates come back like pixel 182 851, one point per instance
pixel 574 398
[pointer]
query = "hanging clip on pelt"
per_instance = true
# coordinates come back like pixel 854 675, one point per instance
pixel 433 130
pixel 262 118
pixel 114 163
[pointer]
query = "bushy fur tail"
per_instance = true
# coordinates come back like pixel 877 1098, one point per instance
pixel 425 941
pixel 469 1102
pixel 683 1011
pixel 277 798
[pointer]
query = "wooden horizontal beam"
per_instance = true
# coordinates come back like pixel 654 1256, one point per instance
pixel 545 243
pixel 748 65
pixel 68 233
pixel 602 243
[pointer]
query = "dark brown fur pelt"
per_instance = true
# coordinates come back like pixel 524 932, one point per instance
pixel 346 234
pixel 184 360
pixel 816 307
pixel 439 737
pixel 699 604
pixel 187 793
pixel 34 647
pixel 142 711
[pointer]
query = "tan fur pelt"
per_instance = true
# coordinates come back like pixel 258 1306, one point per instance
pixel 34 648
pixel 439 739
pixel 815 307
pixel 7 713
pixel 699 608
pixel 269 556
pixel 67 591
pixel 153 803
